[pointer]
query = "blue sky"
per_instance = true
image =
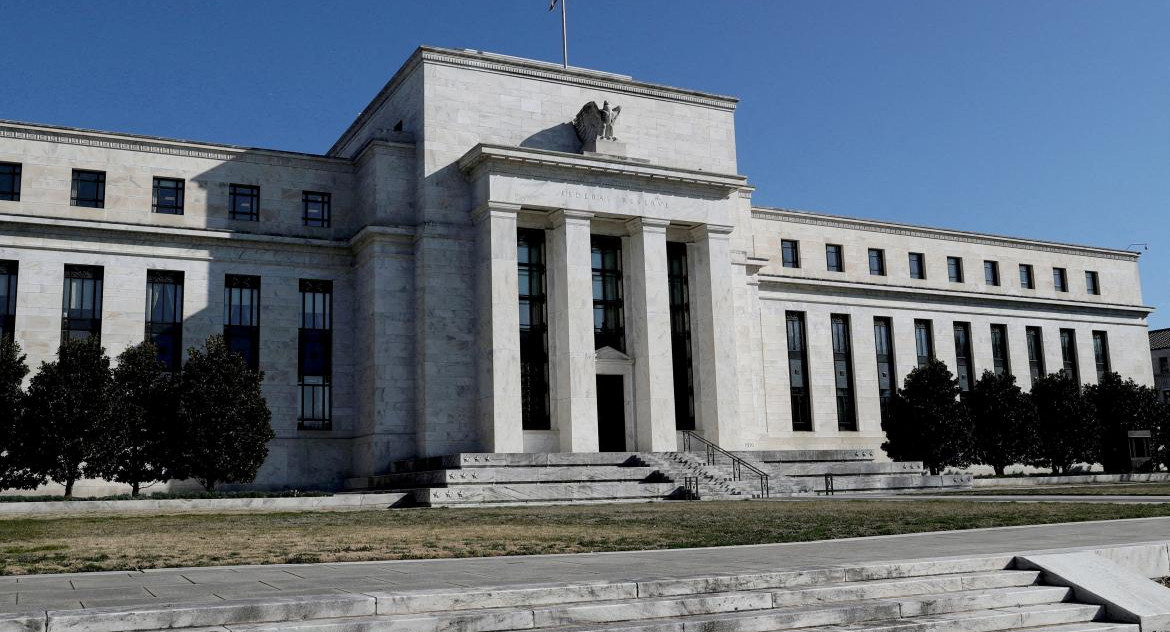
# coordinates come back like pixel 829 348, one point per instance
pixel 1046 119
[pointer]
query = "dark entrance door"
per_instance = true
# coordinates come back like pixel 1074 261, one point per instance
pixel 611 414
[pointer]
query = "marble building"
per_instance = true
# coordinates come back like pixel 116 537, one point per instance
pixel 502 255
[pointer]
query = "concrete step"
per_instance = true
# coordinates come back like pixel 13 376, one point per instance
pixel 892 482
pixel 513 459
pixel 793 456
pixel 1062 617
pixel 847 468
pixel 504 474
pixel 542 492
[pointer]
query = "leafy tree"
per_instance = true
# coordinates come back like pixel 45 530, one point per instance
pixel 137 445
pixel 1066 427
pixel 928 423
pixel 1120 406
pixel 14 471
pixel 66 409
pixel 224 419
pixel 1160 437
pixel 1003 421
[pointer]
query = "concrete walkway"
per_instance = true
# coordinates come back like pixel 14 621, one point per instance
pixel 89 590
pixel 1005 497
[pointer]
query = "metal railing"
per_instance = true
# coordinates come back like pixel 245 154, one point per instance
pixel 691 487
pixel 829 488
pixel 738 464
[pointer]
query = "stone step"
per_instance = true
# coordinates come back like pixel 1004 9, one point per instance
pixel 846 468
pixel 792 456
pixel 514 459
pixel 542 492
pixel 1064 617
pixel 904 587
pixel 892 482
pixel 504 474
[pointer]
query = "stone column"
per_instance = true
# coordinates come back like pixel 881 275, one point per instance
pixel 713 331
pixel 499 330
pixel 572 363
pixel 648 321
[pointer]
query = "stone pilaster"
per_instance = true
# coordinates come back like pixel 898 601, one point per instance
pixel 713 330
pixel 573 366
pixel 499 330
pixel 648 322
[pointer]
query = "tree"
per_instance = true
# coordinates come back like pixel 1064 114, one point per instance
pixel 14 471
pixel 1120 406
pixel 224 419
pixel 1066 429
pixel 138 444
pixel 67 407
pixel 928 423
pixel 1003 422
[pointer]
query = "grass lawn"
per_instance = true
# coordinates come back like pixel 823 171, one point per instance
pixel 1100 489
pixel 93 543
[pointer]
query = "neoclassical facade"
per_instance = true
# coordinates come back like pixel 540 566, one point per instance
pixel 464 272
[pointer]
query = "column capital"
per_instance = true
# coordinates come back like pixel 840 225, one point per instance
pixel 647 224
pixel 712 231
pixel 494 209
pixel 569 216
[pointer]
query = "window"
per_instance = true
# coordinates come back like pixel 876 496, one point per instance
pixel 534 393
pixel 1027 281
pixel 1164 365
pixel 798 382
pixel 244 202
pixel 1068 354
pixel 1101 353
pixel 317 208
pixel 834 258
pixel 1060 279
pixel 999 350
pixel 81 309
pixel 790 253
pixel 991 272
pixel 1139 444
pixel 963 355
pixel 164 316
pixel 883 339
pixel 917 265
pixel 1035 353
pixel 241 317
pixel 168 196
pixel 8 274
pixel 877 262
pixel 10 181
pixel 608 325
pixel 315 356
pixel 1092 285
pixel 680 335
pixel 89 189
pixel 955 269
pixel 924 341
pixel 843 372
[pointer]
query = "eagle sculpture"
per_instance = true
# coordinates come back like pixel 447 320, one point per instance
pixel 594 122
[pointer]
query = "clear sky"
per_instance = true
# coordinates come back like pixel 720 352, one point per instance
pixel 1036 118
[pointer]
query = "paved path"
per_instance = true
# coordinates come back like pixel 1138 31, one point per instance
pixel 1003 498
pixel 77 590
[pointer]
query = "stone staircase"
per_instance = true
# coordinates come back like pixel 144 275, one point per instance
pixel 850 471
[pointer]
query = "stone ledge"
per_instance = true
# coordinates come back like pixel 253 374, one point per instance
pixel 1126 595
pixel 308 503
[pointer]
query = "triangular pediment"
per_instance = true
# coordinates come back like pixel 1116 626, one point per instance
pixel 609 353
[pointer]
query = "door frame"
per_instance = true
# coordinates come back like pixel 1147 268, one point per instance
pixel 610 361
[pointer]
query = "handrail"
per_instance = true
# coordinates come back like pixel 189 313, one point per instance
pixel 737 463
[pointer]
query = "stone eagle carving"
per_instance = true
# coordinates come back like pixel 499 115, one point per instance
pixel 594 122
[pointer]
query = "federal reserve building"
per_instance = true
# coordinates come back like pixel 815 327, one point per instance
pixel 511 280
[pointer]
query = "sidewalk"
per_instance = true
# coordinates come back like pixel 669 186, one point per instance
pixel 209 584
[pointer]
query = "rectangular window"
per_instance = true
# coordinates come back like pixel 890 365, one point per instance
pixel 1092 286
pixel 1101 353
pixel 315 356
pixel 81 308
pixel 924 341
pixel 241 317
pixel 1060 279
pixel 318 208
pixel 8 274
pixel 917 265
pixel 244 202
pixel 790 253
pixel 1027 280
pixel 963 355
pixel 10 181
pixel 834 258
pixel 877 262
pixel 843 372
pixel 164 316
pixel 883 339
pixel 680 335
pixel 999 350
pixel 168 196
pixel 955 269
pixel 608 320
pixel 1068 354
pixel 530 268
pixel 991 272
pixel 798 372
pixel 1164 365
pixel 1035 353
pixel 89 189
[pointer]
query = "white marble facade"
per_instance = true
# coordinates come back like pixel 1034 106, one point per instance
pixel 429 187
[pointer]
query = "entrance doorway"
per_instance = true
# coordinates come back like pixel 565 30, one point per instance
pixel 611 414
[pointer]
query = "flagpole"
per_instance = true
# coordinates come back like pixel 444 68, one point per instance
pixel 565 32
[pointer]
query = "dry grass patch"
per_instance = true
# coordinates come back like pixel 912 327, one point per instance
pixel 1098 489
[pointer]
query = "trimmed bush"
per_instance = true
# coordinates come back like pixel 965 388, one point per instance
pixel 928 423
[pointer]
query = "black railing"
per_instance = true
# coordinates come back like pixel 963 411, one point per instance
pixel 829 488
pixel 691 487
pixel 738 464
